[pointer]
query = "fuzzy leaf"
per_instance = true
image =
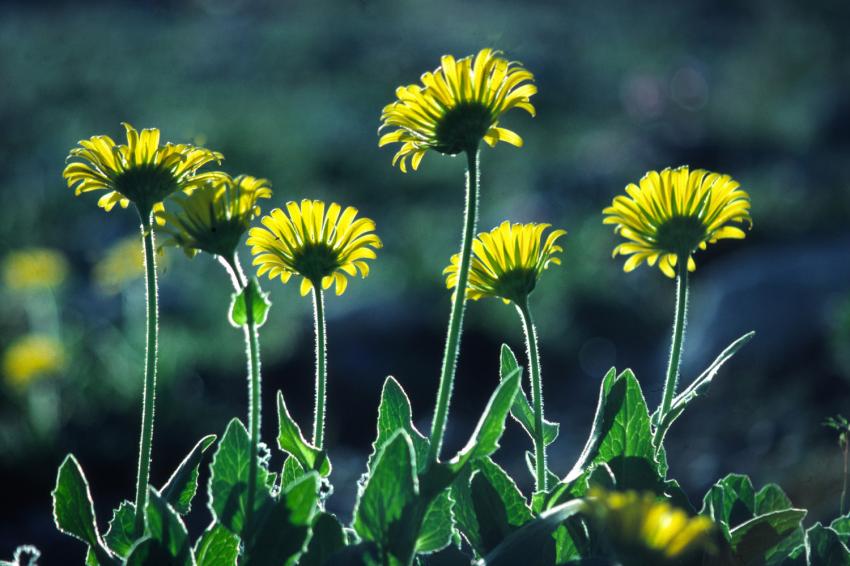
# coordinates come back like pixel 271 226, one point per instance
pixel 521 410
pixel 259 301
pixel 165 528
pixel 328 537
pixel 437 526
pixel 825 547
pixel 122 535
pixel 291 441
pixel 217 546
pixel 181 487
pixel 394 414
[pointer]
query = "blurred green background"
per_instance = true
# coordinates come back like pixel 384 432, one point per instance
pixel 292 91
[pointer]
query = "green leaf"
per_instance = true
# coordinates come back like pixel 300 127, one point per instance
pixel 180 488
pixel 771 498
pixel 165 528
pixel 148 552
pixel 328 537
pixel 73 509
pixel 754 540
pixel 536 543
pixel 841 525
pixel 391 487
pixel 485 438
pixel 730 501
pixel 292 471
pixel 825 547
pixel 217 546
pixel 394 414
pixel 696 389
pixel 283 529
pixel 259 301
pixel 122 535
pixel 291 441
pixel 228 486
pixel 521 410
pixel 437 526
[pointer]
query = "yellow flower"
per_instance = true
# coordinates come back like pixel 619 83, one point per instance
pixel 321 246
pixel 642 530
pixel 141 172
pixel 457 106
pixel 123 263
pixel 507 261
pixel 30 269
pixel 214 217
pixel 675 212
pixel 32 357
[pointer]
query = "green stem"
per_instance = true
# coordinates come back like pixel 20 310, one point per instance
pixel 846 449
pixel 672 379
pixel 321 371
pixel 252 344
pixel 540 478
pixel 447 374
pixel 148 394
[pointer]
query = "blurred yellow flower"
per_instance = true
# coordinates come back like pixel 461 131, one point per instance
pixel 507 261
pixel 675 212
pixel 30 269
pixel 643 530
pixel 141 172
pixel 32 357
pixel 457 106
pixel 214 217
pixel 123 263
pixel 323 246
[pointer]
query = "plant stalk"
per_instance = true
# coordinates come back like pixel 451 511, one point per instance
pixel 846 449
pixel 540 479
pixel 149 389
pixel 679 323
pixel 447 374
pixel 321 370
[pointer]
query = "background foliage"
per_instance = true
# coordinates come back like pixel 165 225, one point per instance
pixel 292 91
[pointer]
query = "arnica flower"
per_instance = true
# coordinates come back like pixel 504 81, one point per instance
pixel 32 269
pixel 673 213
pixel 507 261
pixel 322 244
pixel 457 106
pixel 214 217
pixel 32 357
pixel 643 530
pixel 142 171
pixel 122 264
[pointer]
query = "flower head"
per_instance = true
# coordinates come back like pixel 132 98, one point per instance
pixel 31 269
pixel 142 171
pixel 507 261
pixel 322 244
pixel 123 264
pixel 214 217
pixel 457 106
pixel 673 213
pixel 643 530
pixel 32 357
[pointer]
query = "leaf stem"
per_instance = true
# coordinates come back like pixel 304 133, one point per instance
pixel 846 449
pixel 679 323
pixel 528 327
pixel 321 370
pixel 149 388
pixel 447 374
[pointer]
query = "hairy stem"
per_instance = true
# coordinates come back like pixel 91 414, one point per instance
pixel 846 449
pixel 679 323
pixel 149 390
pixel 536 395
pixel 444 393
pixel 321 371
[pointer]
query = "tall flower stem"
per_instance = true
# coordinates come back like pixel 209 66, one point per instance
pixel 321 371
pixel 536 394
pixel 149 391
pixel 679 323
pixel 252 344
pixel 444 393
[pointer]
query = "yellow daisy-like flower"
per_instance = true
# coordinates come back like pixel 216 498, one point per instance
pixel 32 269
pixel 672 213
pixel 213 218
pixel 643 530
pixel 457 106
pixel 123 263
pixel 507 261
pixel 142 171
pixel 30 358
pixel 322 244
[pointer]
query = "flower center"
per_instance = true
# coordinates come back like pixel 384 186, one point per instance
pixel 146 185
pixel 462 127
pixel 680 234
pixel 316 261
pixel 515 285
